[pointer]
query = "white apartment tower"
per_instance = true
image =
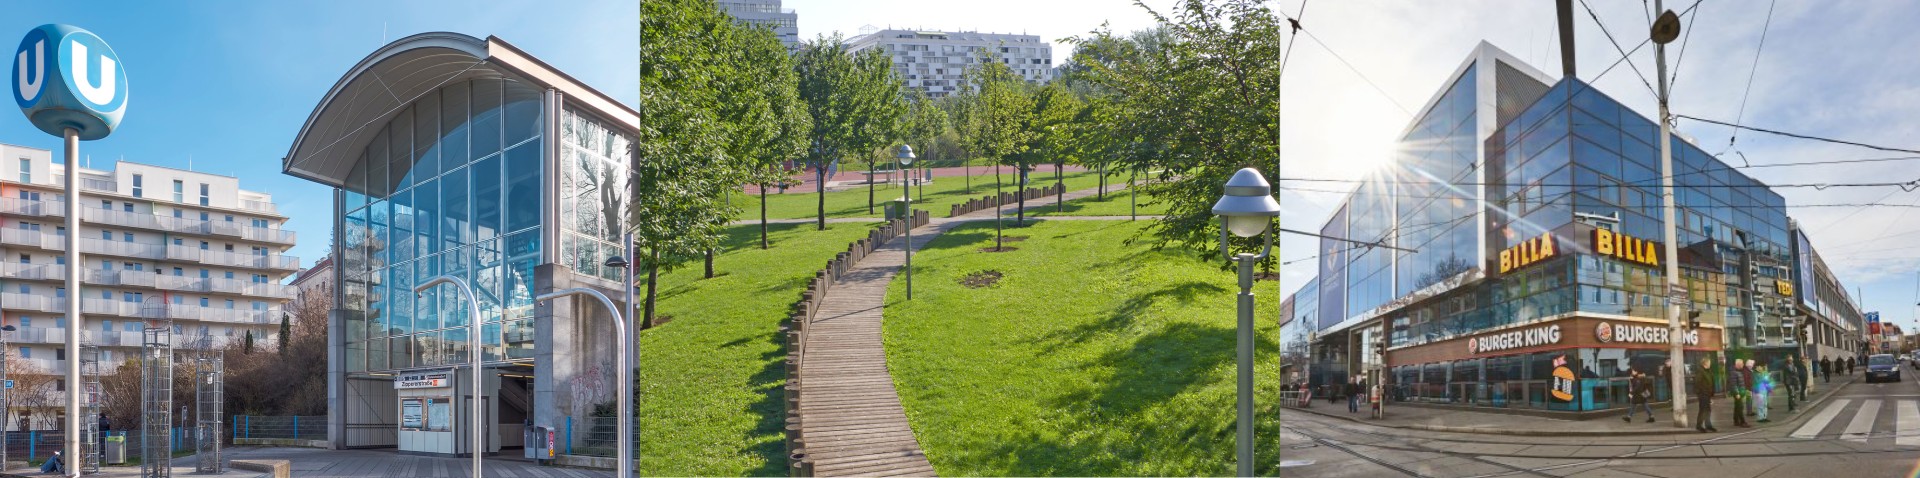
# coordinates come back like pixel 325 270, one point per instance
pixel 937 62
pixel 784 21
pixel 157 244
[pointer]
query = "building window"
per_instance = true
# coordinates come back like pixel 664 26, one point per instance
pixel 60 293
pixel 26 259
pixel 106 235
pixel 128 236
pixel 138 185
pixel 177 213
pixel 106 326
pixel 105 204
pixel 27 321
pixel 126 206
pixel 204 301
pixel 26 352
pixel 179 191
pixel 26 170
pixel 203 194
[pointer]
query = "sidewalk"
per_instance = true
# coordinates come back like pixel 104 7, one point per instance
pixel 1494 421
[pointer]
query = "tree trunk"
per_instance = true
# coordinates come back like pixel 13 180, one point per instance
pixel 653 280
pixel 998 241
pixel 763 217
pixel 1020 197
pixel 869 187
pixel 1103 182
pixel 820 186
pixel 1060 195
pixel 709 263
pixel 968 165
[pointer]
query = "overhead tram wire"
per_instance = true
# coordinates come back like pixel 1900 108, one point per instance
pixel 1742 115
pixel 1616 47
pixel 1738 126
pixel 1356 71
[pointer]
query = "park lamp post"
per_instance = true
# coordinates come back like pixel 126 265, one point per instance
pixel 905 156
pixel 1246 209
pixel 624 443
pixel 473 352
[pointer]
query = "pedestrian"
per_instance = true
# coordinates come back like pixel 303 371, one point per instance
pixel 1753 378
pixel 1639 394
pixel 1703 392
pixel 1826 369
pixel 104 426
pixel 1374 396
pixel 1850 366
pixel 1353 395
pixel 1738 388
pixel 1762 391
pixel 54 464
pixel 1795 385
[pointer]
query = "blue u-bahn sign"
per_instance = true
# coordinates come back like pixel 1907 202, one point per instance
pixel 65 77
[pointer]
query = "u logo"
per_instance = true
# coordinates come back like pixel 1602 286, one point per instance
pixel 29 78
pixel 68 79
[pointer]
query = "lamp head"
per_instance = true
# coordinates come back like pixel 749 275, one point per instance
pixel 616 262
pixel 904 154
pixel 8 328
pixel 1666 28
pixel 1248 204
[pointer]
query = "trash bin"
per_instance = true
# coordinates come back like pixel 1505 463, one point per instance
pixel 540 444
pixel 896 209
pixel 116 449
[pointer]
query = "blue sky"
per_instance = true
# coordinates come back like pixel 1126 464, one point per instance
pixel 1835 71
pixel 230 82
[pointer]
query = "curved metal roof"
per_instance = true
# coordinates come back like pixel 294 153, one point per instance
pixel 386 81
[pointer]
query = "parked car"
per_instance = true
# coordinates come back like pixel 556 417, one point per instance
pixel 1882 367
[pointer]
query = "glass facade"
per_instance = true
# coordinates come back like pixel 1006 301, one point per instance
pixel 593 193
pixel 1556 168
pixel 451 185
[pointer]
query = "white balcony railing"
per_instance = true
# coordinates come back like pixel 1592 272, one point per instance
pixel 120 218
pixel 262 206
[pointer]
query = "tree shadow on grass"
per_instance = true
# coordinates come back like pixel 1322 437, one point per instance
pixel 771 410
pixel 1124 316
pixel 1155 369
pixel 956 239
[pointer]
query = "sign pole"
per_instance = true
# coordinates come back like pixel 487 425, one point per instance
pixel 1676 352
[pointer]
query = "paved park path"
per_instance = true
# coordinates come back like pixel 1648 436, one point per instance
pixel 850 413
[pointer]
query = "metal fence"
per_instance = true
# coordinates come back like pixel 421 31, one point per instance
pixel 36 445
pixel 296 427
pixel 598 436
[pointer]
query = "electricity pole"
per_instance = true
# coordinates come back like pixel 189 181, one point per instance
pixel 1664 31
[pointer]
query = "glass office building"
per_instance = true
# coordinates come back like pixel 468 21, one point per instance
pixel 1539 276
pixel 453 155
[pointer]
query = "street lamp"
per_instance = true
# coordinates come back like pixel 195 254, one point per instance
pixel 905 156
pixel 6 394
pixel 1246 209
pixel 624 443
pixel 473 352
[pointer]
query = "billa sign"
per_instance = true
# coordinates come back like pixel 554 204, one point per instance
pixel 420 380
pixel 1626 248
pixel 1527 253
pixel 1534 337
pixel 1608 332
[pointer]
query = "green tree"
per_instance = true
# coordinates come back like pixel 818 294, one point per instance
pixel 683 167
pixel 854 101
pixel 1200 93
pixel 925 123
pixel 995 122
pixel 766 121
pixel 286 334
pixel 1051 136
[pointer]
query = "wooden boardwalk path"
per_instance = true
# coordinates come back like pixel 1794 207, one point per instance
pixel 851 415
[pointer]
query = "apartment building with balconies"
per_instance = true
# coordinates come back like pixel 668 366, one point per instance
pixel 937 62
pixel 158 246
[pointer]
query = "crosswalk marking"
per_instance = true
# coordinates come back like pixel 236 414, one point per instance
pixel 1819 421
pixel 1907 428
pixel 1862 424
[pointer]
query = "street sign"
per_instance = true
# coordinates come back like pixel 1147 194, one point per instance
pixel 67 78
pixel 9 384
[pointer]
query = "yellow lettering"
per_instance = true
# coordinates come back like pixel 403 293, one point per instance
pixel 1506 260
pixel 1653 256
pixel 1546 245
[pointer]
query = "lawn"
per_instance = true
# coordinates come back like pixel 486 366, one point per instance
pixel 938 197
pixel 709 383
pixel 1117 203
pixel 1088 357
